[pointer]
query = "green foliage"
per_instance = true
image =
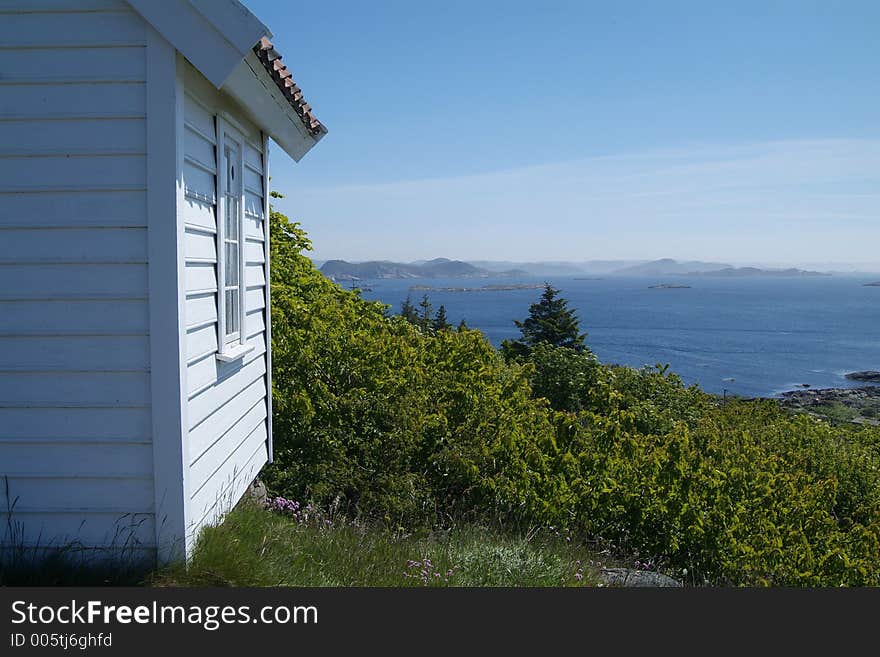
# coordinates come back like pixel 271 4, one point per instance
pixel 563 376
pixel 255 547
pixel 441 322
pixel 420 315
pixel 394 422
pixel 550 321
pixel 417 428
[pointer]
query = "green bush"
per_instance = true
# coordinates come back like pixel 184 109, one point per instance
pixel 425 428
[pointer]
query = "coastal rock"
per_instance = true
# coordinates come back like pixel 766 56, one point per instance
pixel 629 577
pixel 867 375
pixel 837 405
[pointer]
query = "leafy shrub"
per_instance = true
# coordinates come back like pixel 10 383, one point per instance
pixel 423 428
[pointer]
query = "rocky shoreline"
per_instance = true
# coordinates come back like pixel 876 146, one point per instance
pixel 837 405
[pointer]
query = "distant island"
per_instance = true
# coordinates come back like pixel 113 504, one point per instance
pixel 344 271
pixel 874 284
pixel 871 376
pixel 484 288
pixel 341 270
pixel 744 272
pixel 668 266
pixel 668 286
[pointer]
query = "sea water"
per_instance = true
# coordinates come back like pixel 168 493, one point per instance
pixel 744 336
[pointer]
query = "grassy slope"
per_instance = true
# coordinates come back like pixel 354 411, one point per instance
pixel 254 547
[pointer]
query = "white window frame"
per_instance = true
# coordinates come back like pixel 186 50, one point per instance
pixel 230 347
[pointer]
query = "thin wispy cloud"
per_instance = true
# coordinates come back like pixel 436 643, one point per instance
pixel 777 201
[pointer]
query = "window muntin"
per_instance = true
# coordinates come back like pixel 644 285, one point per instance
pixel 230 240
pixel 232 244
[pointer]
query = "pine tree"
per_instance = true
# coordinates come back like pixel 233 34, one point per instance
pixel 441 323
pixel 550 321
pixel 424 319
pixel 408 310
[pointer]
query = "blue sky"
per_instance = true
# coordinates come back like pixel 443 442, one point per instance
pixel 747 132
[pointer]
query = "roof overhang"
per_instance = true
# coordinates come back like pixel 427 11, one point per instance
pixel 258 94
pixel 218 38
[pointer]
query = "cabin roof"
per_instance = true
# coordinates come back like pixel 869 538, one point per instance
pixel 271 60
pixel 230 47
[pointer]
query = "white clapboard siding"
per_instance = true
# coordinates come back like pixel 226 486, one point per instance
pixel 68 28
pixel 75 404
pixel 255 275
pixel 73 281
pixel 87 136
pixel 82 100
pixel 91 459
pixel 253 204
pixel 201 341
pixel 75 245
pixel 254 252
pixel 219 422
pixel 198 214
pixel 198 182
pixel 200 246
pixel 45 426
pixel 61 172
pixel 206 402
pixel 129 494
pixel 19 6
pixel 87 317
pixel 228 402
pixel 205 460
pixel 71 209
pixel 253 228
pixel 204 370
pixel 199 145
pixel 255 299
pixel 229 482
pixel 255 322
pixel 75 353
pixel 125 64
pixel 201 309
pixel 200 277
pixel 61 389
pixel 79 526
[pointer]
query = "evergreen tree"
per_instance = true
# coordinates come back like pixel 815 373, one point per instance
pixel 408 310
pixel 424 319
pixel 550 321
pixel 441 323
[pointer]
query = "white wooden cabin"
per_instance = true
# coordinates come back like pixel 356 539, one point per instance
pixel 135 402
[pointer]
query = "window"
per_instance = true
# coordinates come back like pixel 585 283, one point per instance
pixel 230 245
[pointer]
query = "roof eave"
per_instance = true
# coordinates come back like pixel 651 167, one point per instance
pixel 259 96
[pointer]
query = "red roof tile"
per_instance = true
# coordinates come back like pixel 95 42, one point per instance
pixel 271 60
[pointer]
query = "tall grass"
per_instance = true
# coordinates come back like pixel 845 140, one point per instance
pixel 256 547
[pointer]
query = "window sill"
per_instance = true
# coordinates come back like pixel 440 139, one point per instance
pixel 233 353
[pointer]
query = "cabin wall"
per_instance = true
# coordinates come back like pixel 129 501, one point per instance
pixel 76 459
pixel 228 434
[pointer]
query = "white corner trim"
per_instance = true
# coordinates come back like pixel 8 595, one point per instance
pixel 165 236
pixel 267 274
pixel 233 352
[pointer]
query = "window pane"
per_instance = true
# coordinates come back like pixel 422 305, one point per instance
pixel 231 263
pixel 232 217
pixel 231 312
